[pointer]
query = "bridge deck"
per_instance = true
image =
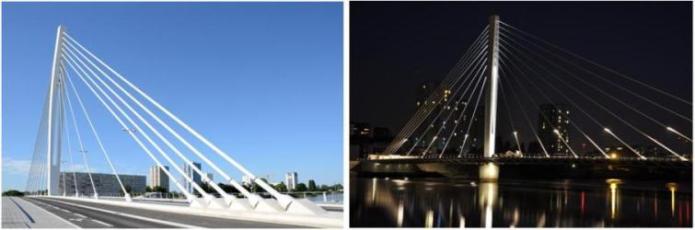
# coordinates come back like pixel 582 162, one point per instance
pixel 19 213
pixel 534 160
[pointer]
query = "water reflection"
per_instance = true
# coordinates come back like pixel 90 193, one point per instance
pixel 613 189
pixel 402 202
pixel 488 195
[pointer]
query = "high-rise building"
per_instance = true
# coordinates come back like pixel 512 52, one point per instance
pixel 157 177
pixel 190 172
pixel 432 96
pixel 209 179
pixel 476 132
pixel 291 180
pixel 106 184
pixel 553 128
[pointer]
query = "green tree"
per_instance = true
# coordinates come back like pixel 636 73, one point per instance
pixel 148 189
pixel 256 188
pixel 281 187
pixel 12 193
pixel 159 189
pixel 301 187
pixel 228 188
pixel 312 185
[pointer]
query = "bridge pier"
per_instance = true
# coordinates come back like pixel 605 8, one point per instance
pixel 489 172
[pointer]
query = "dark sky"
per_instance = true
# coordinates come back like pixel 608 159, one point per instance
pixel 395 46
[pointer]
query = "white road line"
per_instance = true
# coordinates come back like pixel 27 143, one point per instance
pixel 80 215
pixel 102 223
pixel 132 216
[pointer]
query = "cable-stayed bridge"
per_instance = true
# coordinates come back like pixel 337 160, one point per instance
pixel 515 98
pixel 163 138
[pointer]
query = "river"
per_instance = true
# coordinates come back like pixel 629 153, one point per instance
pixel 440 202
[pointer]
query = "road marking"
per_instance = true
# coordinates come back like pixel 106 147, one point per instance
pixel 102 223
pixel 131 216
pixel 80 215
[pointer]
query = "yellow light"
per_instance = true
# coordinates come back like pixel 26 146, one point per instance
pixel 489 172
pixel 614 155
pixel 672 188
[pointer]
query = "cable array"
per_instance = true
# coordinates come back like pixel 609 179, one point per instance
pixel 126 103
pixel 539 77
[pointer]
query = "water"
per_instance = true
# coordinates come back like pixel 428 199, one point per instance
pixel 330 198
pixel 437 202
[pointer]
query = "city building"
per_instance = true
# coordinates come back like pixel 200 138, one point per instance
pixel 191 173
pixel 291 180
pixel 365 139
pixel 435 97
pixel 158 177
pixel 474 142
pixel 425 90
pixel 246 180
pixel 106 184
pixel 209 179
pixel 553 127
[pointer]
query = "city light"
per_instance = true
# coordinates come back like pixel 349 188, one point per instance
pixel 614 155
pixel 623 142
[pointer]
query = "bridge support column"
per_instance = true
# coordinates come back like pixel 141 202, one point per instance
pixel 491 87
pixel 54 121
pixel 490 171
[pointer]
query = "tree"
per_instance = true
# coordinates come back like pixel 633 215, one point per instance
pixel 159 189
pixel 228 188
pixel 12 193
pixel 301 187
pixel 312 185
pixel 324 187
pixel 148 189
pixel 127 188
pixel 257 188
pixel 281 187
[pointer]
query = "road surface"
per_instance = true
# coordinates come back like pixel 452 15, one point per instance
pixel 92 215
pixel 19 213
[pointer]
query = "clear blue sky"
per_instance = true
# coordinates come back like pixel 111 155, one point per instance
pixel 261 80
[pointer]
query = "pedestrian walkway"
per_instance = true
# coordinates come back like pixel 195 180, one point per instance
pixel 19 213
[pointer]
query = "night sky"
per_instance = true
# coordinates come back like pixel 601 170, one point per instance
pixel 396 46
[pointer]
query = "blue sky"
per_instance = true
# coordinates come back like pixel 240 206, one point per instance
pixel 261 80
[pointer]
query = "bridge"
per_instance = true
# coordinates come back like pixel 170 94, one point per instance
pixel 164 139
pixel 587 114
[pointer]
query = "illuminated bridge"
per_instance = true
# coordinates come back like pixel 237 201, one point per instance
pixel 514 98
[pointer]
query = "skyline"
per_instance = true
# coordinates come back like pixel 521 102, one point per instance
pixel 248 60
